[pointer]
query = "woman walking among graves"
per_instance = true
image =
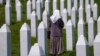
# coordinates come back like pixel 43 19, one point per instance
pixel 56 40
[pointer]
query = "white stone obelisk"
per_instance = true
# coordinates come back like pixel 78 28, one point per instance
pixel 82 47
pixel 80 27
pixel 5 41
pixel 95 11
pixel 92 4
pixel 29 9
pixel 90 31
pixel 97 45
pixel 86 4
pixel 47 6
pixel 81 12
pixel 33 4
pixel 33 24
pixel 54 5
pixel 98 25
pixel 81 3
pixel 88 12
pixel 8 14
pixel 69 7
pixel 42 39
pixel 64 17
pixel 25 40
pixel 69 36
pixel 16 1
pixel 38 9
pixel 76 5
pixel 19 11
pixel 73 17
pixel 62 5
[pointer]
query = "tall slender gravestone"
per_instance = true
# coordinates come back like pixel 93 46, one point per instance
pixel 73 17
pixel 98 25
pixel 54 5
pixel 19 11
pixel 33 4
pixel 45 18
pixel 42 39
pixel 25 40
pixel 29 9
pixel 80 12
pixel 90 31
pixel 80 27
pixel 47 6
pixel 88 12
pixel 82 48
pixel 16 1
pixel 8 14
pixel 5 41
pixel 35 50
pixel 39 9
pixel 97 45
pixel 69 7
pixel 81 3
pixel 33 24
pixel 42 3
pixel 62 5
pixel 86 4
pixel 76 4
pixel 92 4
pixel 69 36
pixel 95 11
pixel 64 17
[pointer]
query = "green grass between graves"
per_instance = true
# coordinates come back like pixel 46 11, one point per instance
pixel 15 28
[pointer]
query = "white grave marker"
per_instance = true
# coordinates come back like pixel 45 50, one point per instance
pixel 95 11
pixel 19 11
pixel 81 3
pixel 82 48
pixel 47 6
pixel 69 36
pixel 73 17
pixel 42 39
pixel 35 50
pixel 64 17
pixel 98 25
pixel 76 4
pixel 80 27
pixel 88 12
pixel 8 14
pixel 92 3
pixel 80 12
pixel 54 5
pixel 25 40
pixel 62 5
pixel 69 7
pixel 90 31
pixel 33 24
pixel 29 9
pixel 5 41
pixel 39 9
pixel 33 4
pixel 97 45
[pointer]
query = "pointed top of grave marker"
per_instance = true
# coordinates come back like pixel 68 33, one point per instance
pixel 73 9
pixel 33 13
pixel 18 3
pixel 97 38
pixel 88 6
pixel 81 8
pixel 44 12
pixel 24 27
pixel 99 18
pixel 41 25
pixel 82 41
pixel 90 20
pixel 5 28
pixel 69 23
pixel 81 21
pixel 95 5
pixel 64 10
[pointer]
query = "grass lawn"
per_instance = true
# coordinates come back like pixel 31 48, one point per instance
pixel 15 27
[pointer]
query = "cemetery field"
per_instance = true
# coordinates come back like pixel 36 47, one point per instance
pixel 15 28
